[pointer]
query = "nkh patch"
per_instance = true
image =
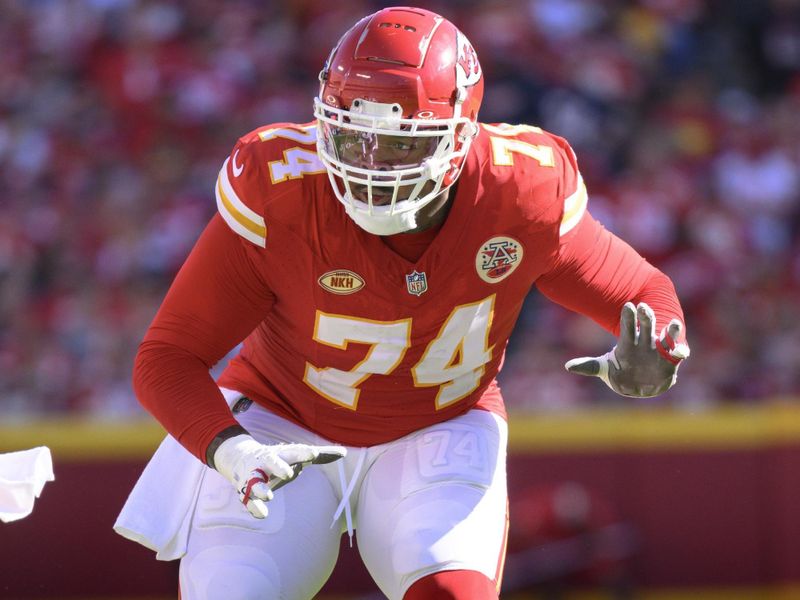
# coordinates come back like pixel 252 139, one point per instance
pixel 416 283
pixel 341 281
pixel 497 258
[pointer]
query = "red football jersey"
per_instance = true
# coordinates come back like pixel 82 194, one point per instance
pixel 351 340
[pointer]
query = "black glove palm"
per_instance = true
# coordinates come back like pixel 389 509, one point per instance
pixel 640 365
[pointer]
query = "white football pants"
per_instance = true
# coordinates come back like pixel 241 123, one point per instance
pixel 431 501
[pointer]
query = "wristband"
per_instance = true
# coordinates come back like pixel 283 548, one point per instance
pixel 223 435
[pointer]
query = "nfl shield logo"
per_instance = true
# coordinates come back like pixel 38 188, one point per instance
pixel 416 283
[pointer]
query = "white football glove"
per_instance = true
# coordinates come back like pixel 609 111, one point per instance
pixel 640 365
pixel 256 469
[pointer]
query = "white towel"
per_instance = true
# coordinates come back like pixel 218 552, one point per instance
pixel 22 477
pixel 159 509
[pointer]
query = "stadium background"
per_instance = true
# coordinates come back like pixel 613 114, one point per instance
pixel 115 116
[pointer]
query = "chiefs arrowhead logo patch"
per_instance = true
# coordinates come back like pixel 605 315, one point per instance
pixel 468 69
pixel 497 258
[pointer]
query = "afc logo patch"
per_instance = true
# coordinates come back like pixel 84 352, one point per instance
pixel 497 258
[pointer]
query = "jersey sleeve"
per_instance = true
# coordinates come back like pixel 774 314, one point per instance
pixel 593 271
pixel 266 167
pixel 215 301
pixel 596 272
pixel 573 198
pixel 220 294
pixel 240 184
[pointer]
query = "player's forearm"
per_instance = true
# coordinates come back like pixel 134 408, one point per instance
pixel 597 273
pixel 177 389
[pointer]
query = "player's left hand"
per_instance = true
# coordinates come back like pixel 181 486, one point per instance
pixel 640 365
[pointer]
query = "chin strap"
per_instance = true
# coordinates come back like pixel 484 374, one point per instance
pixel 383 225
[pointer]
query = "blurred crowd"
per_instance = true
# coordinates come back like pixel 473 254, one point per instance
pixel 115 116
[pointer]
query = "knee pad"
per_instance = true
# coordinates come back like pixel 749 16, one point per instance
pixel 230 572
pixel 453 585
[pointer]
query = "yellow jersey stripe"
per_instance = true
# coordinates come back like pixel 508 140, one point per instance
pixel 241 219
pixel 231 194
pixel 252 226
pixel 574 208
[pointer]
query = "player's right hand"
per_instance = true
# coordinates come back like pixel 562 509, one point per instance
pixel 256 469
pixel 642 364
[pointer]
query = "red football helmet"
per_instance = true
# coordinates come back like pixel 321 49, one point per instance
pixel 397 111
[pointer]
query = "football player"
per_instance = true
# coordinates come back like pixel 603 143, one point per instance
pixel 373 262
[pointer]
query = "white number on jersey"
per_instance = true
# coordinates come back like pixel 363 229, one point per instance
pixel 454 360
pixel 504 147
pixel 296 161
pixel 388 340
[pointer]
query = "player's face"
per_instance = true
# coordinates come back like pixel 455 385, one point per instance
pixel 379 152
pixel 383 152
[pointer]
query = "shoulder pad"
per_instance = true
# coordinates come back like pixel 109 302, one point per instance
pixel 532 159
pixel 259 161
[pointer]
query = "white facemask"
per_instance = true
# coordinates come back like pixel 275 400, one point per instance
pixel 384 169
